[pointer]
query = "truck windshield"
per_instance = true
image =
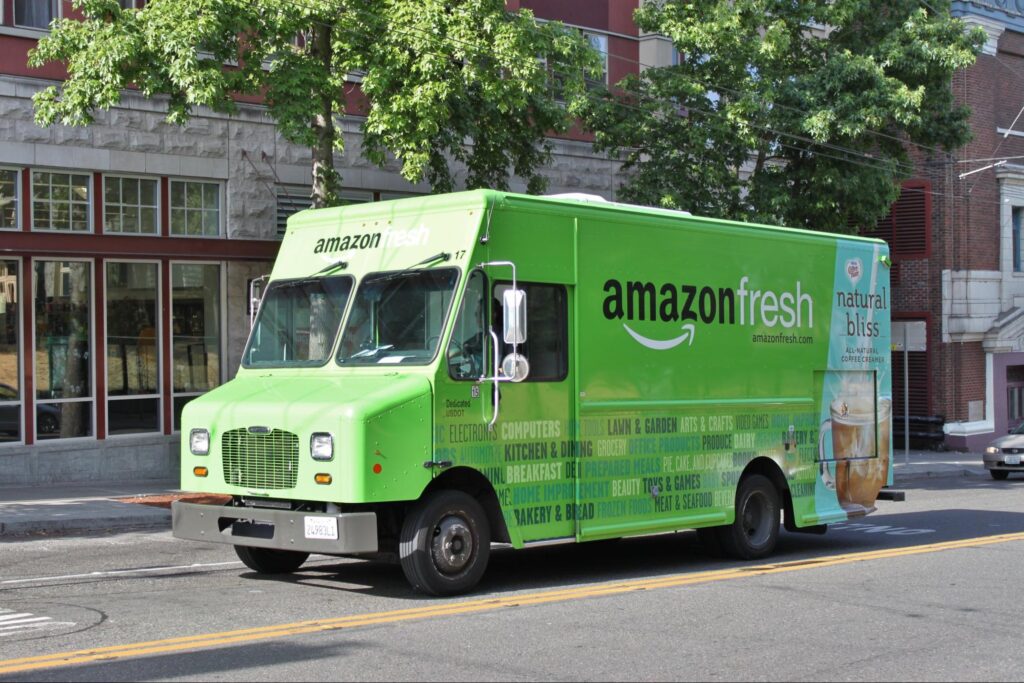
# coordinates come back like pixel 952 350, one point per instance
pixel 297 323
pixel 397 317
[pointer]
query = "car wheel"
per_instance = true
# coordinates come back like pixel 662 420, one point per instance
pixel 756 529
pixel 445 543
pixel 270 561
pixel 999 475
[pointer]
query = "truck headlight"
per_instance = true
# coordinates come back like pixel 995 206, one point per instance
pixel 321 446
pixel 992 449
pixel 199 442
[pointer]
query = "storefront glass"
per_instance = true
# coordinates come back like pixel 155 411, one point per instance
pixel 10 382
pixel 63 359
pixel 196 314
pixel 133 357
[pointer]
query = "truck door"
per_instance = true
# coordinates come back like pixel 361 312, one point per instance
pixel 535 427
pixel 527 453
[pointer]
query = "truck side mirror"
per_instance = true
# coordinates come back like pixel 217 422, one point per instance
pixel 514 305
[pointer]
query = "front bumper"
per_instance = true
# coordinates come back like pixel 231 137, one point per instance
pixel 269 528
pixel 997 461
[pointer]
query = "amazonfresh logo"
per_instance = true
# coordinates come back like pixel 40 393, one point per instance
pixel 373 240
pixel 687 306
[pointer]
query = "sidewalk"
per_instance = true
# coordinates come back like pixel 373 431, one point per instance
pixel 94 507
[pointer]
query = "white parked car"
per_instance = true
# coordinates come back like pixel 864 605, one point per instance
pixel 1004 454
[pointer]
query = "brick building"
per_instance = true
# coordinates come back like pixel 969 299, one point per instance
pixel 126 249
pixel 955 234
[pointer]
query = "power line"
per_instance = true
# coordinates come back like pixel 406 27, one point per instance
pixel 639 64
pixel 815 148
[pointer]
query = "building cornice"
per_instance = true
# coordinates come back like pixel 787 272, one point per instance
pixel 995 16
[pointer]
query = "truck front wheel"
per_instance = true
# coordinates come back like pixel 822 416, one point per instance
pixel 445 543
pixel 754 533
pixel 269 561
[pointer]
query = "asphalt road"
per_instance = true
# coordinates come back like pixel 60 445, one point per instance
pixel 924 589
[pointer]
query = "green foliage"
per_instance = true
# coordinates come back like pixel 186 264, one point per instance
pixel 446 80
pixel 787 111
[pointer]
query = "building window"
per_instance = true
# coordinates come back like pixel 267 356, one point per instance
pixel 907 226
pixel 10 384
pixel 195 208
pixel 916 394
pixel 599 42
pixel 133 358
pixel 196 312
pixel 1017 215
pixel 60 201
pixel 63 332
pixel 294 198
pixel 130 205
pixel 8 199
pixel 35 13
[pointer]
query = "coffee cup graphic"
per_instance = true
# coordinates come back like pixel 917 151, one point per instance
pixel 860 448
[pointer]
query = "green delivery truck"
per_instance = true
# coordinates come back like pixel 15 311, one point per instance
pixel 428 376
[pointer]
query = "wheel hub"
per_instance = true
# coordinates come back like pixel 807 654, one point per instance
pixel 452 545
pixel 756 520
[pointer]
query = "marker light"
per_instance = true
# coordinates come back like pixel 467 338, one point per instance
pixel 199 442
pixel 200 471
pixel 323 478
pixel 321 446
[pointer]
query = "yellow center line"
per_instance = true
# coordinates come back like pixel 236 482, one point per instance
pixel 208 640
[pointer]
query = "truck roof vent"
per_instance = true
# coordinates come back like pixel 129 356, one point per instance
pixel 579 196
pixel 584 197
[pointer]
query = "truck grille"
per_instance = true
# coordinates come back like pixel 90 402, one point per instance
pixel 267 460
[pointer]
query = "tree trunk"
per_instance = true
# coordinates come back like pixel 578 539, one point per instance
pixel 326 181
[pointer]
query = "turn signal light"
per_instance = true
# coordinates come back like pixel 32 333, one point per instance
pixel 200 471
pixel 323 478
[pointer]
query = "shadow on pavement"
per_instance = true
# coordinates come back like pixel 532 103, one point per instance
pixel 569 565
pixel 221 663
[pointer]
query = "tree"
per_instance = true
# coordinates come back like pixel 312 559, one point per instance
pixel 788 111
pixel 445 80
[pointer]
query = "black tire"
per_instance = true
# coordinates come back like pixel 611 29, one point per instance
pixel 270 561
pixel 756 529
pixel 445 543
pixel 999 475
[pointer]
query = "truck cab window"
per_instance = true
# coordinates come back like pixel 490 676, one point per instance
pixel 397 317
pixel 297 322
pixel 470 338
pixel 547 341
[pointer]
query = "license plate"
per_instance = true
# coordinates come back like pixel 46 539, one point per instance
pixel 1011 459
pixel 322 528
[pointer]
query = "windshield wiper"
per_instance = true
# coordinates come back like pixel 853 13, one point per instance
pixel 371 352
pixel 440 256
pixel 329 267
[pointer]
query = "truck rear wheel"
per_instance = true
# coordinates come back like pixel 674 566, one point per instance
pixel 270 561
pixel 756 529
pixel 445 543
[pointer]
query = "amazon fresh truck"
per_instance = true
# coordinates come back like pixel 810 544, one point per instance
pixel 428 376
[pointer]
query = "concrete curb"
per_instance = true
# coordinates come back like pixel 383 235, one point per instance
pixel 91 517
pixel 933 470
